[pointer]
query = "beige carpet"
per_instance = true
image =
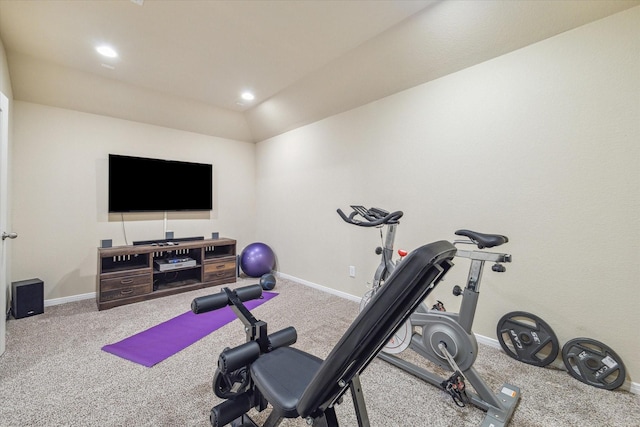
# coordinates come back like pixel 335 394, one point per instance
pixel 53 372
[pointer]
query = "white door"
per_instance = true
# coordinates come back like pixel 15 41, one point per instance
pixel 4 187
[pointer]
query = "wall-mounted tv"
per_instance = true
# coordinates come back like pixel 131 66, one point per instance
pixel 138 184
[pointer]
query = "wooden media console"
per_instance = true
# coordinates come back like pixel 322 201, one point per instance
pixel 128 274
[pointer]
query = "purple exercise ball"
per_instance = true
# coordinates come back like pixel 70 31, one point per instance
pixel 257 259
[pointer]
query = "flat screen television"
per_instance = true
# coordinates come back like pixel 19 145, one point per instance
pixel 138 184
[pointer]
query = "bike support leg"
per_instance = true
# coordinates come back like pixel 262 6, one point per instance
pixel 499 406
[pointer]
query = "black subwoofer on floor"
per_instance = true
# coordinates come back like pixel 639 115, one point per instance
pixel 27 298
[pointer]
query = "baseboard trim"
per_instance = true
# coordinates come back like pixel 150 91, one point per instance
pixel 629 386
pixel 58 301
pixel 491 342
pixel 320 287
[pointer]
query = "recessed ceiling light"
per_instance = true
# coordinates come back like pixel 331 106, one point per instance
pixel 107 51
pixel 248 96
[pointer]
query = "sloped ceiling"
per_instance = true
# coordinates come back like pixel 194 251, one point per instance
pixel 183 64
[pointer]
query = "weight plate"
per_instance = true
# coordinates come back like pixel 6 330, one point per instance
pixel 593 363
pixel 230 385
pixel 527 338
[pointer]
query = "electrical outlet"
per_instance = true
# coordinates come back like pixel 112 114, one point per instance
pixel 352 271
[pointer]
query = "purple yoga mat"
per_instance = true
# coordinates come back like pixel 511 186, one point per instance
pixel 166 339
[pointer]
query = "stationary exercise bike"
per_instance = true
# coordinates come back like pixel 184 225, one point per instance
pixel 379 218
pixel 444 338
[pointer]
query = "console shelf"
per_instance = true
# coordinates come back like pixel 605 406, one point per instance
pixel 128 274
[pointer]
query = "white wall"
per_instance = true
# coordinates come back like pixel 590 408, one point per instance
pixel 60 191
pixel 540 144
pixel 5 89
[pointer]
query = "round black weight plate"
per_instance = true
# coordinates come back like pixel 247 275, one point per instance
pixel 593 363
pixel 230 385
pixel 527 338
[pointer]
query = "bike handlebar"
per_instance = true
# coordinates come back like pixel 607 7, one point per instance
pixel 373 217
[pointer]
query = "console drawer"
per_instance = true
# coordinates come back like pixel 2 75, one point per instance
pixel 125 286
pixel 218 270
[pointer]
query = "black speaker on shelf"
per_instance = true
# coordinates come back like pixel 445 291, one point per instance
pixel 27 298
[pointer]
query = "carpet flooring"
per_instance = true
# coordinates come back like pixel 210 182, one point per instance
pixel 54 373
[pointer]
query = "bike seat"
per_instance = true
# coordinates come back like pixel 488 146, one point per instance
pixel 483 240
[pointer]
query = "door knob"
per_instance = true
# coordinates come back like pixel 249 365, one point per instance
pixel 9 235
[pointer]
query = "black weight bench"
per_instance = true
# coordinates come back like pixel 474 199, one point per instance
pixel 265 370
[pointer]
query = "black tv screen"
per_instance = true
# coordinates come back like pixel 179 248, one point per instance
pixel 138 184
